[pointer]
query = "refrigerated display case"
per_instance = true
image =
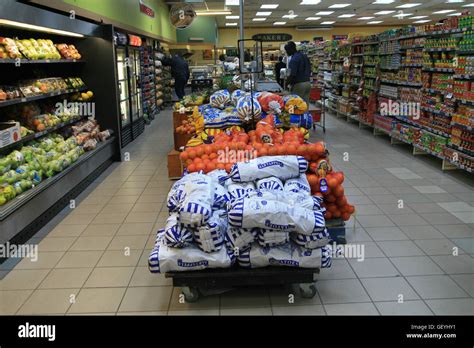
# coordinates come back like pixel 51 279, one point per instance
pixel 128 76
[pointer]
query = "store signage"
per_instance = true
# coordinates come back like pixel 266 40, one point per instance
pixel 146 9
pixel 134 40
pixel 272 37
pixel 340 37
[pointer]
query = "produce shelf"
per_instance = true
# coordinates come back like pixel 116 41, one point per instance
pixel 40 97
pixel 28 195
pixel 42 61
pixel 42 134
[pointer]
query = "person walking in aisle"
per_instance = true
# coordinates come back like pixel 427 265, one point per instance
pixel 300 72
pixel 180 73
pixel 278 66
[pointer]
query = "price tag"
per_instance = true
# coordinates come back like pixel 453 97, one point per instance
pixel 48 61
pixel 455 62
pixel 23 100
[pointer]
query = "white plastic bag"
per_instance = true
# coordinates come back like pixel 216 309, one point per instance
pixel 269 238
pixel 298 185
pixel 313 241
pixel 165 259
pixel 238 190
pixel 210 236
pixel 291 198
pixel 282 167
pixel 288 255
pixel 239 239
pixel 254 211
pixel 176 235
pixel 196 208
pixel 271 183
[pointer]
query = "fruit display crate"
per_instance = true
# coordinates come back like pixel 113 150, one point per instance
pixel 22 100
pixel 41 61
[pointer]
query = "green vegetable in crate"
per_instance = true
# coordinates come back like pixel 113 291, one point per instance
pixel 10 177
pixel 8 191
pixel 17 187
pixel 49 173
pixel 55 166
pixel 16 158
pixel 22 172
pixel 5 165
pixel 46 144
pixel 65 162
pixel 62 147
pixel 3 200
pixel 35 176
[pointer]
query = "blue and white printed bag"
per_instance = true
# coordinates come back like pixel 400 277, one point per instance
pixel 210 236
pixel 176 235
pixel 313 241
pixel 298 185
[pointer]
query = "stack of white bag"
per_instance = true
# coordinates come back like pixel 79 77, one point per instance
pixel 193 237
pixel 270 201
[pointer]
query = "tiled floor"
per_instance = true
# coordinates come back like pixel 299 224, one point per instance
pixel 411 219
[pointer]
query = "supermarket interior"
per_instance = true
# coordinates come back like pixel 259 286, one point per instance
pixel 236 157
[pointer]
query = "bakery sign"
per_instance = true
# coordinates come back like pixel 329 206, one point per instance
pixel 274 37
pixel 146 9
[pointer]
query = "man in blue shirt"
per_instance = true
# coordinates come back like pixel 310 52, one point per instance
pixel 180 72
pixel 300 72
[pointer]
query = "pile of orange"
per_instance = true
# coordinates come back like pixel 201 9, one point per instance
pixel 186 127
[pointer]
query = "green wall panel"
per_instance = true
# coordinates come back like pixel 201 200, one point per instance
pixel 202 26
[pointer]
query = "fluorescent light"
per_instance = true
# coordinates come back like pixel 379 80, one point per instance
pixel 365 18
pixel 270 6
pixel 348 15
pixel 418 17
pixel 310 2
pixel 422 21
pixel 374 22
pixel 339 5
pixel 443 11
pixel 38 28
pixel 324 13
pixel 454 1
pixel 213 13
pixel 232 2
pixel 264 13
pixel 290 16
pixel 468 5
pixel 408 5
pixel 279 23
pixel 259 19
pixel 401 15
pixel 328 22
pixel 455 14
pixel 312 18
pixel 384 12
pixel 383 2
pixel 232 17
pixel 231 24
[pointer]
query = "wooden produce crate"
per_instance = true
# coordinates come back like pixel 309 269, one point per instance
pixel 175 167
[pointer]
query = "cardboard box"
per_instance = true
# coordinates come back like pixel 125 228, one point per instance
pixel 10 132
pixel 181 140
pixel 175 167
pixel 178 118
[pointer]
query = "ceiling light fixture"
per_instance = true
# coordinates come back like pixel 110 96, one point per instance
pixel 418 17
pixel 468 5
pixel 270 6
pixel 401 15
pixel 443 11
pixel 310 2
pixel 381 13
pixel 312 18
pixel 454 1
pixel 348 15
pixel 364 18
pixel 290 16
pixel 232 17
pixel 279 23
pixel 408 5
pixel 324 13
pixel 339 5
pixel 383 2
pixel 9 23
pixel 422 21
pixel 259 19
pixel 264 14
pixel 455 14
pixel 374 22
pixel 232 2
pixel 231 24
pixel 328 22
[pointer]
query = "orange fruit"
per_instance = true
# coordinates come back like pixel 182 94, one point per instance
pixel 228 167
pixel 191 154
pixel 338 190
pixel 191 168
pixel 200 166
pixel 341 202
pixel 350 209
pixel 345 216
pixel 184 155
pixel 220 166
pixel 213 156
pixel 331 198
pixel 328 215
pixel 197 160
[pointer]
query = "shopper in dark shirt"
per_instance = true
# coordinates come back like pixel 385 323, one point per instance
pixel 278 66
pixel 300 72
pixel 180 72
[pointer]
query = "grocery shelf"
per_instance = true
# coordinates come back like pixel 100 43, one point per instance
pixel 40 97
pixel 394 135
pixel 460 166
pixel 42 134
pixel 466 152
pixel 41 61
pixel 411 36
pixel 442 70
pixel 389 68
pixel 444 49
pixel 464 52
pixel 424 149
pixel 464 76
pixel 411 65
pixel 27 196
pixel 432 90
pixel 445 32
pixel 401 83
pixel 460 125
pixel 464 101
pixel 411 47
pixel 437 112
pixel 388 53
pixel 426 128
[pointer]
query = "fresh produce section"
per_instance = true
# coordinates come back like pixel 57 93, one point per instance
pixel 33 49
